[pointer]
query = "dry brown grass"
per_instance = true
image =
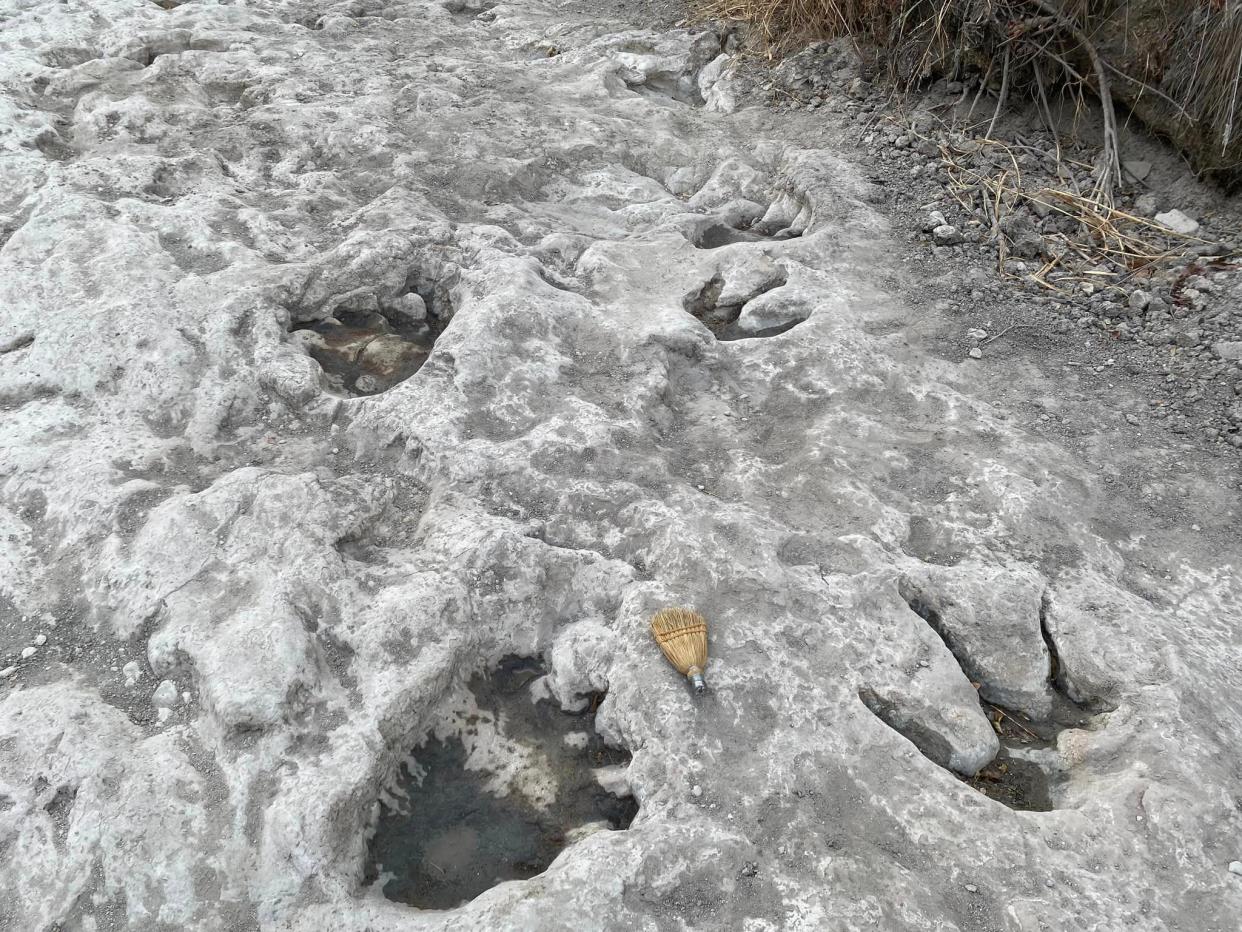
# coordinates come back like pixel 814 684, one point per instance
pixel 1176 60
pixel 1107 247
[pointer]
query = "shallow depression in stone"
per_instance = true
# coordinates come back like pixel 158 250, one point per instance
pixel 364 353
pixel 456 829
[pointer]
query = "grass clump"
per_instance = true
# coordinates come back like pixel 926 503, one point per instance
pixel 1176 64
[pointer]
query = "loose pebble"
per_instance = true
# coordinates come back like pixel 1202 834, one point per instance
pixel 165 695
pixel 1178 222
pixel 946 235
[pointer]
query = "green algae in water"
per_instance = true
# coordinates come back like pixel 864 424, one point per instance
pixel 453 837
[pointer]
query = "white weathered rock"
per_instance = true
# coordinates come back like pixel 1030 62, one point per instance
pixel 746 275
pixel 990 618
pixel 165 695
pixel 1228 349
pixel 1178 222
pixel 411 308
pixel 181 187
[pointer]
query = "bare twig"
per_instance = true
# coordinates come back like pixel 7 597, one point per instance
pixel 993 339
pixel 1112 153
pixel 1004 93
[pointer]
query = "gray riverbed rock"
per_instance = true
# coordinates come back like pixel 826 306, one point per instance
pixel 182 486
pixel 989 617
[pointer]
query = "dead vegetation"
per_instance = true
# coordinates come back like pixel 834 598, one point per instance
pixel 1177 64
pixel 1101 245
pixel 1059 56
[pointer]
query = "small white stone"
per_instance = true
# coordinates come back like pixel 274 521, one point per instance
pixel 971 888
pixel 1235 867
pixel 946 235
pixel 40 640
pixel 696 791
pixel 1227 349
pixel 7 672
pixel 28 652
pixel 411 307
pixel 976 353
pixel 1178 222
pixel 163 715
pixel 976 333
pixel 165 695
pixel 132 672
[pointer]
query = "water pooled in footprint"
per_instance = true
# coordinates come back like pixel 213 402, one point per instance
pixel 505 781
pixel 363 352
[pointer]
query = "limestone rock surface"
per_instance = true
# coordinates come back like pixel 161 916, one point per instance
pixel 186 495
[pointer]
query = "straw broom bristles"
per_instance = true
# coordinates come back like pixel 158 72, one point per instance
pixel 682 636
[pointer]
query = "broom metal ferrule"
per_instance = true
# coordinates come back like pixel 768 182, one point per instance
pixel 696 680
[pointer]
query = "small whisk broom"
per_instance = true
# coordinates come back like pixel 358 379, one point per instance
pixel 682 636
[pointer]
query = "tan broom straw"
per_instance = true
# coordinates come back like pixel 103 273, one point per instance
pixel 682 636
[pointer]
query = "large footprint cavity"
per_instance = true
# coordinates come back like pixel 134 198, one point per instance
pixel 988 616
pixel 731 304
pixel 920 692
pixel 370 339
pixel 503 782
pixel 991 622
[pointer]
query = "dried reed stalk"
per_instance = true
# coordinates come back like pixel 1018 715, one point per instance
pixel 1109 243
